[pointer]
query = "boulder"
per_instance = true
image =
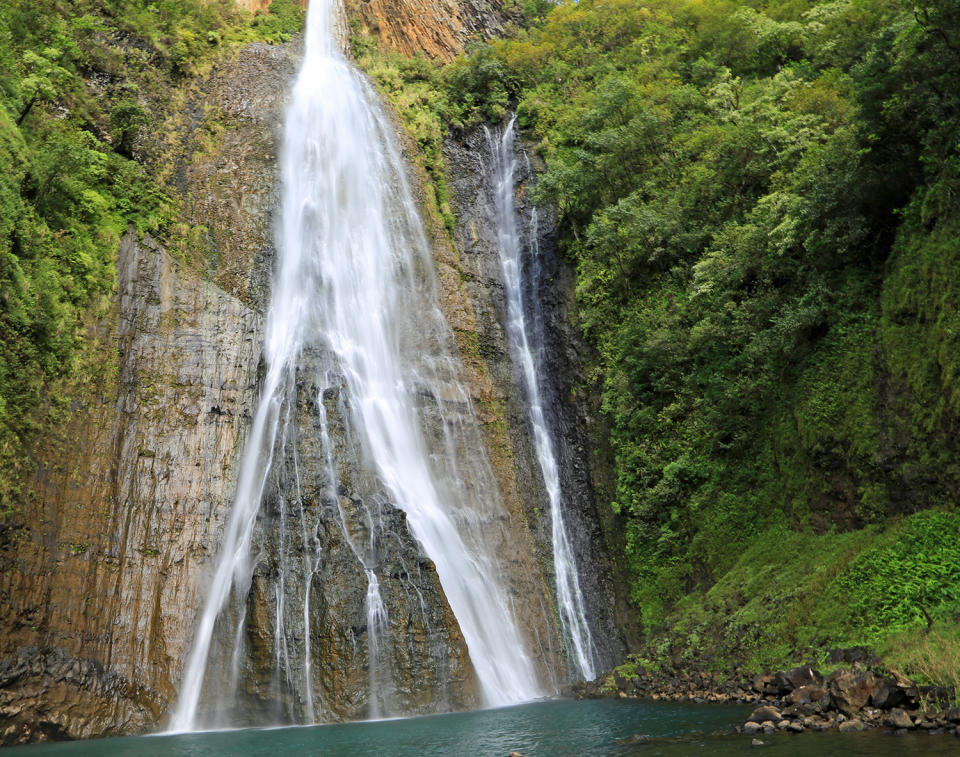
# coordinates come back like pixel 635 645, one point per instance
pixel 800 710
pixel 899 719
pixel 852 726
pixel 851 691
pixel 888 695
pixel 751 728
pixel 806 693
pixel 766 713
pixel 788 680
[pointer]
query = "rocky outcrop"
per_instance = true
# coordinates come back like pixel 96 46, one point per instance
pixel 851 700
pixel 799 699
pixel 439 29
pixel 105 561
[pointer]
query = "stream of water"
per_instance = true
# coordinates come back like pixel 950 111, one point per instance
pixel 354 285
pixel 576 631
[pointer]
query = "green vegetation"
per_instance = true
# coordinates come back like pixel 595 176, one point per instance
pixel 414 89
pixel 761 201
pixel 78 81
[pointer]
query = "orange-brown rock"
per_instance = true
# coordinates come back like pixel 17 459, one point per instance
pixel 103 565
pixel 254 5
pixel 260 5
pixel 440 29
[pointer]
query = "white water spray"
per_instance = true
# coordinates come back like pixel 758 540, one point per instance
pixel 355 282
pixel 576 631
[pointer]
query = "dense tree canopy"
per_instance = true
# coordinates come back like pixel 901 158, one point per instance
pixel 761 200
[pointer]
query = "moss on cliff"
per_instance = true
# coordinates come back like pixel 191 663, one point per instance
pixel 78 87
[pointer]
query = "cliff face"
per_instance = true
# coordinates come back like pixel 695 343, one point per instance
pixel 254 5
pixel 104 568
pixel 439 29
pixel 127 504
pixel 105 563
pixel 571 414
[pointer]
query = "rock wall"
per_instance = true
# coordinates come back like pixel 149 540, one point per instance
pixel 103 570
pixel 439 29
pixel 254 5
pixel 549 297
pixel 106 557
pixel 104 565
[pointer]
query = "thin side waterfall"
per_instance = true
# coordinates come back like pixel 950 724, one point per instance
pixel 354 336
pixel 576 631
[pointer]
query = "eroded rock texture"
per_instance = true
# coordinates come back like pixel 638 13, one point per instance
pixel 104 568
pixel 106 559
pixel 106 562
pixel 548 296
pixel 439 29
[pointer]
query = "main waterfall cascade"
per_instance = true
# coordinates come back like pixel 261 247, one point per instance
pixel 364 435
pixel 526 353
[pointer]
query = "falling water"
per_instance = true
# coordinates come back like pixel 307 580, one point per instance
pixel 354 304
pixel 570 602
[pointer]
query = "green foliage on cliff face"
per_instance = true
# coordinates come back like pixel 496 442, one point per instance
pixel 762 203
pixel 413 88
pixel 78 81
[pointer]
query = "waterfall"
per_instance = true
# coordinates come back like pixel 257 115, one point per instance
pixel 354 314
pixel 576 631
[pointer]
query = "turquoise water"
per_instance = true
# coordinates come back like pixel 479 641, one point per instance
pixel 542 729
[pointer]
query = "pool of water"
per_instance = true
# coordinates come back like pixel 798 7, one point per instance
pixel 541 729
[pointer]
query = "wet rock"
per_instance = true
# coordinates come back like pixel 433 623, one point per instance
pixel 765 713
pixel 756 742
pixel 750 728
pixel 472 279
pixel 853 725
pixel 795 727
